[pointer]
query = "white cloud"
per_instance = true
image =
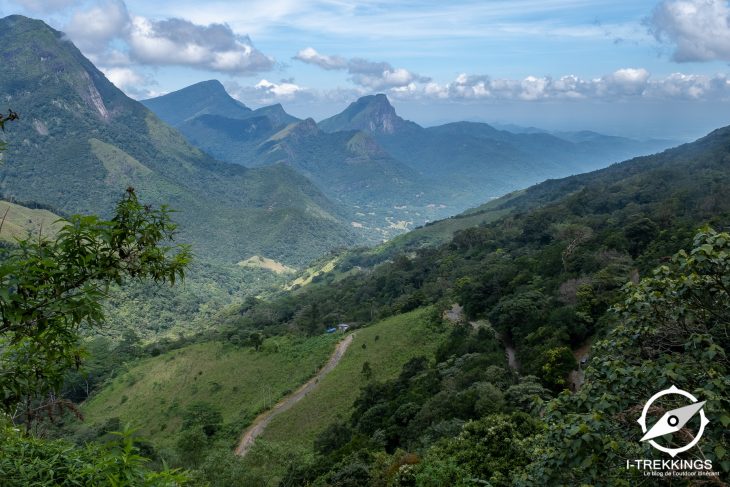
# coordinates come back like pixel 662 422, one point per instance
pixel 311 56
pixel 622 84
pixel 180 42
pixel 627 81
pixel 132 82
pixel 368 74
pixel 100 30
pixel 285 90
pixel 93 29
pixel 698 29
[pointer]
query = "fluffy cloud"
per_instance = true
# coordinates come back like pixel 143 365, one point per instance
pixel 310 56
pixel 215 47
pixel 284 90
pixel 698 29
pixel 134 83
pixel 175 41
pixel 627 83
pixel 368 74
pixel 93 29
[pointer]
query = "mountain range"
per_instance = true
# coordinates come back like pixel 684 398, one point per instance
pixel 390 173
pixel 256 182
pixel 80 142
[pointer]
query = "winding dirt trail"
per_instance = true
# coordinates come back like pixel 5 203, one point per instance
pixel 262 420
pixel 456 315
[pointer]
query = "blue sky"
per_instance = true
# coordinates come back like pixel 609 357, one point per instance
pixel 643 68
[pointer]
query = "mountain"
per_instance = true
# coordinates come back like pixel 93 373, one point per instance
pixel 206 97
pixel 351 168
pixel 80 142
pixel 474 161
pixel 381 195
pixel 215 122
pixel 373 114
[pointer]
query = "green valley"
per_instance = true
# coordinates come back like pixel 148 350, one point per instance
pixel 202 289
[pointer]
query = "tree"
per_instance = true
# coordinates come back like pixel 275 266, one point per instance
pixel 556 365
pixel 367 371
pixel 51 288
pixel 672 330
pixel 256 339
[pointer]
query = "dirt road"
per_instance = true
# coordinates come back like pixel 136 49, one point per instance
pixel 262 420
pixel 456 315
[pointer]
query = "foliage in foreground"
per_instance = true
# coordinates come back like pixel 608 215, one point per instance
pixel 32 462
pixel 51 288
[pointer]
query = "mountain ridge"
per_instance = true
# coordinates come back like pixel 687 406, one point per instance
pixel 80 141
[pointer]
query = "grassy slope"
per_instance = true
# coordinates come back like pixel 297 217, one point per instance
pixel 401 338
pixel 241 382
pixel 21 221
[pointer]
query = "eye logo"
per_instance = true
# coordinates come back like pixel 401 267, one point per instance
pixel 673 421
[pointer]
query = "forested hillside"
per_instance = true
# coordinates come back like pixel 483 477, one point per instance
pixel 80 142
pixel 558 274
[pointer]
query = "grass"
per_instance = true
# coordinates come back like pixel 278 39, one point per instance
pixel 21 222
pixel 386 345
pixel 259 262
pixel 153 394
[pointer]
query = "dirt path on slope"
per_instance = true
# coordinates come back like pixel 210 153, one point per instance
pixel 456 315
pixel 262 420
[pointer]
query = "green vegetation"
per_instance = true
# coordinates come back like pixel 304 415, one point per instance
pixel 545 277
pixel 399 339
pixel 463 419
pixel 153 394
pixel 19 222
pixel 27 461
pixel 54 287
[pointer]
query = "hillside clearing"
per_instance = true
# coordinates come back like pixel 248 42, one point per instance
pixel 386 346
pixel 154 392
pixel 259 424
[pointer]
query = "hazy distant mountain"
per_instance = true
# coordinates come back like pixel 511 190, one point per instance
pixel 80 142
pixel 348 165
pixel 373 114
pixel 215 122
pixel 206 97
pixel 474 161
pixel 383 196
pixel 392 173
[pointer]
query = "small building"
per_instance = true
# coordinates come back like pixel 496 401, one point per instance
pixel 343 327
pixel 331 330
